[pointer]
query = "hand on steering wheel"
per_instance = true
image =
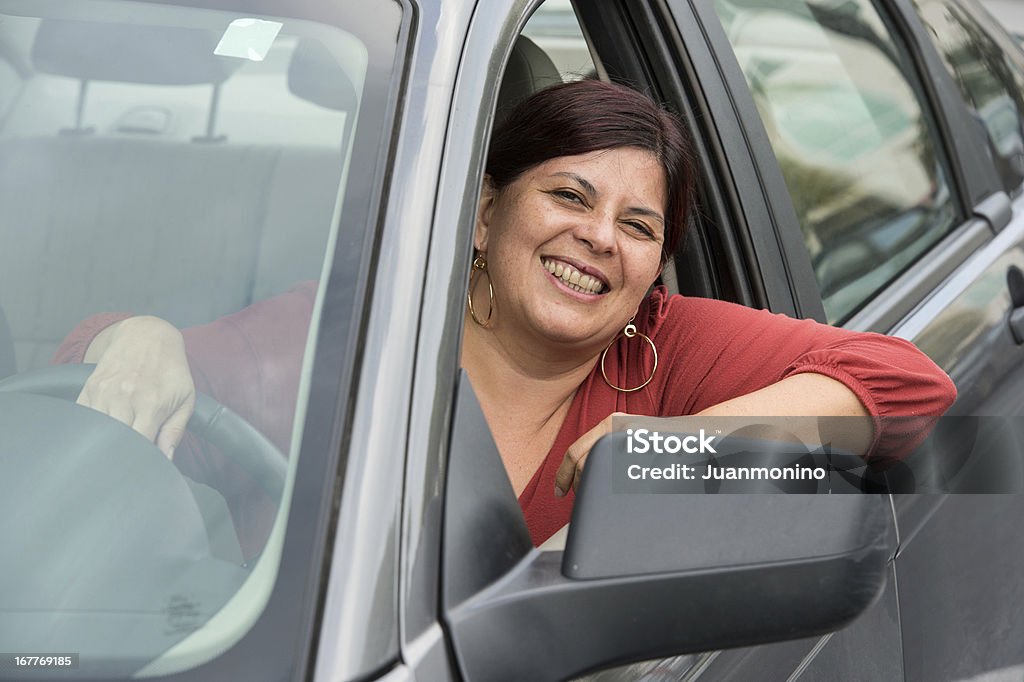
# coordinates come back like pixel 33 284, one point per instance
pixel 142 379
pixel 211 421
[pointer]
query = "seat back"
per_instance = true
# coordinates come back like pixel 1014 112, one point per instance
pixel 156 220
pixel 529 69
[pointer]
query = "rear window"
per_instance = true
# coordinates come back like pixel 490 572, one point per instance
pixel 854 137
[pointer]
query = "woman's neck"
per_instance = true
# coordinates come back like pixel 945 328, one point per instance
pixel 519 382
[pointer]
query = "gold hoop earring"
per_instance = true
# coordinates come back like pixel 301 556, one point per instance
pixel 630 332
pixel 480 265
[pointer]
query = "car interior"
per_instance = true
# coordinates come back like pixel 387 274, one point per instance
pixel 160 177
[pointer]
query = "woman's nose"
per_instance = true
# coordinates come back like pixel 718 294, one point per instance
pixel 598 233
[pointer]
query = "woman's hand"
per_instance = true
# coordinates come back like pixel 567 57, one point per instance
pixel 142 378
pixel 568 475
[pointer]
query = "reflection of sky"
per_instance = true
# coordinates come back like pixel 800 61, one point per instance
pixel 1009 12
pixel 841 123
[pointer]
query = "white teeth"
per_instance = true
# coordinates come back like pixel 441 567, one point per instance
pixel 573 278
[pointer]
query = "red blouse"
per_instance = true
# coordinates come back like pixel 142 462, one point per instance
pixel 709 351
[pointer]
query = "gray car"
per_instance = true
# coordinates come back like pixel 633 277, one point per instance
pixel 861 164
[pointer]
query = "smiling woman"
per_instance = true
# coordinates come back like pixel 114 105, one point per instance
pixel 587 191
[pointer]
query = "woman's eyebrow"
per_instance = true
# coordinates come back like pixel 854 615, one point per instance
pixel 640 210
pixel 583 182
pixel 592 193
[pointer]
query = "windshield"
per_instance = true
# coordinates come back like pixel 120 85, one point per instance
pixel 172 181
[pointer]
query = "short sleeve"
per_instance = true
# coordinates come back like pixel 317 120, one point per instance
pixel 72 350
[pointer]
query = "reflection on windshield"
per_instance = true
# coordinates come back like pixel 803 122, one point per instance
pixel 170 178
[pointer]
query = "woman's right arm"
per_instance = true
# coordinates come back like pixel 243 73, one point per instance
pixel 249 361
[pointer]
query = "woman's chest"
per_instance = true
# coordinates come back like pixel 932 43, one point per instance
pixel 523 451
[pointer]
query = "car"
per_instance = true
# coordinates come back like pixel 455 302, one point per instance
pixel 861 164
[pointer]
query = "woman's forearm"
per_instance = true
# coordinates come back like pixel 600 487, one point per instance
pixel 807 395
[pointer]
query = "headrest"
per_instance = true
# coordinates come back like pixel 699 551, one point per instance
pixel 315 75
pixel 130 53
pixel 529 70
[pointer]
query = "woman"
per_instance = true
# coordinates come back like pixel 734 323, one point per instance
pixel 586 195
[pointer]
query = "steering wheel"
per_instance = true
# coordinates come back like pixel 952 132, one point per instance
pixel 210 421
pixel 105 542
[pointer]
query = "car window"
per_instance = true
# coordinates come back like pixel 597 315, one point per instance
pixel 186 167
pixel 853 137
pixel 555 29
pixel 10 84
pixel 989 82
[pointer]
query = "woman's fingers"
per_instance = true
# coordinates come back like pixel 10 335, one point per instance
pixel 148 422
pixel 565 477
pixel 568 475
pixel 159 417
pixel 174 428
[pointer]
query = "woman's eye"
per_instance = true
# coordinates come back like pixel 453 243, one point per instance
pixel 568 195
pixel 640 228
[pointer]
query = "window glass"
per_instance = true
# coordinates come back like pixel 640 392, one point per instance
pixel 555 29
pixel 167 169
pixel 10 84
pixel 989 82
pixel 855 143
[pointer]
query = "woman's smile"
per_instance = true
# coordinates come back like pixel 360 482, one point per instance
pixel 576 279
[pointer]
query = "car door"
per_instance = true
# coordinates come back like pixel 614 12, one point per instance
pixel 441 141
pixel 752 247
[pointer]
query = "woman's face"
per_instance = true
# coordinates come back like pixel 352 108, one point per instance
pixel 574 244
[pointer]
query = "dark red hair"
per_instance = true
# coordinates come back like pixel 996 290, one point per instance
pixel 585 116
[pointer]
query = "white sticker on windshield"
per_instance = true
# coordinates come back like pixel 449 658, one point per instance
pixel 248 38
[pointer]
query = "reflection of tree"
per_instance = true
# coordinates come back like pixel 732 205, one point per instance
pixel 983 75
pixel 979 48
pixel 924 148
pixel 829 204
pixel 810 188
pixel 866 182
pixel 847 20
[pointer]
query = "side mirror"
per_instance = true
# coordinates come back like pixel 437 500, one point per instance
pixel 642 576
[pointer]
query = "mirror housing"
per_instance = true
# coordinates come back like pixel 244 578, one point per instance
pixel 642 576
